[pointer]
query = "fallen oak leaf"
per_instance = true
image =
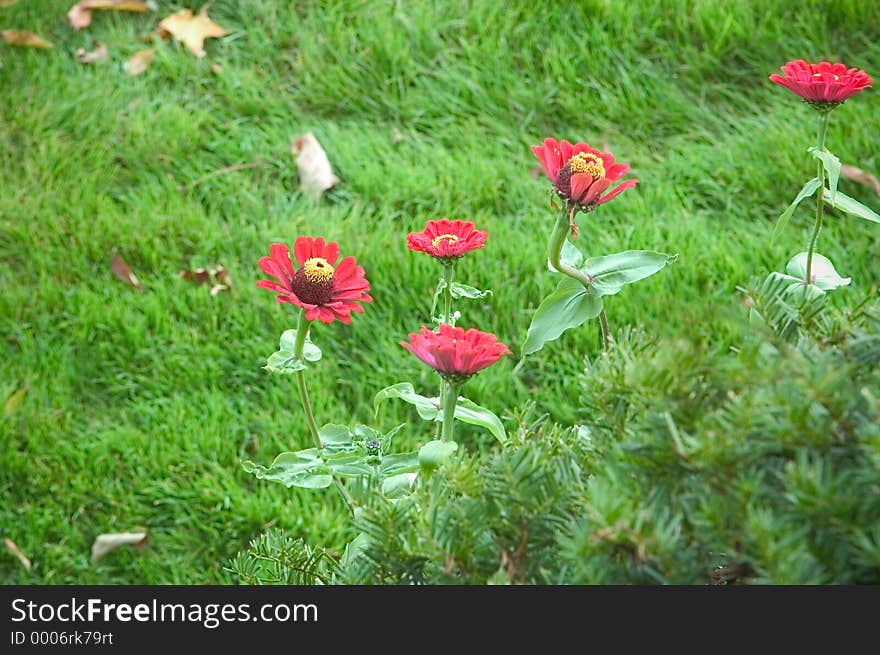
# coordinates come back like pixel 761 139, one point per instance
pixel 84 56
pixel 123 272
pixel 139 62
pixel 16 551
pixel 106 543
pixel 860 176
pixel 191 30
pixel 25 39
pixel 80 15
pixel 315 174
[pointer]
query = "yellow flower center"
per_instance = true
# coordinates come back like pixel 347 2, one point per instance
pixel 587 162
pixel 820 75
pixel 450 238
pixel 318 270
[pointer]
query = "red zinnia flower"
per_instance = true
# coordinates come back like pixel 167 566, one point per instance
pixel 445 239
pixel 580 173
pixel 325 291
pixel 454 352
pixel 822 85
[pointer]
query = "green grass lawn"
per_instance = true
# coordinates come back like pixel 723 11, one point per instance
pixel 141 404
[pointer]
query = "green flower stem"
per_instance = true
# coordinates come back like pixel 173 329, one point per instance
pixel 606 331
pixel 821 130
pixel 554 254
pixel 448 274
pixel 302 331
pixel 450 400
pixel 554 251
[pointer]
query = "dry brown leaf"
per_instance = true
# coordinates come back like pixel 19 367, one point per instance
pixel 860 176
pixel 14 401
pixel 25 39
pixel 222 276
pixel 198 276
pixel 139 61
pixel 84 56
pixel 15 550
pixel 123 272
pixel 80 15
pixel 217 277
pixel 105 543
pixel 315 173
pixel 191 30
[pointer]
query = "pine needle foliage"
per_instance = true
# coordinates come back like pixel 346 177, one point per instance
pixel 752 465
pixel 278 559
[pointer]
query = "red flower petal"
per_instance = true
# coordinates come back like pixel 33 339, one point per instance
pixel 348 288
pixel 272 286
pixel 464 238
pixel 553 158
pixel 575 185
pixel 280 253
pixel 823 84
pixel 454 351
pixel 620 188
pixel 580 185
pixel 566 151
pixel 302 249
pixel 276 269
pixel 616 171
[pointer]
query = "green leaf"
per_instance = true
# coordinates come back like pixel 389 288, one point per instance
pixel 428 408
pixel 567 307
pixel 468 411
pixel 611 272
pixel 284 361
pixel 398 486
pixel 851 206
pixel 311 352
pixel 831 164
pixel 336 438
pixel 349 465
pixel 570 255
pixel 464 291
pixel 354 550
pixel 434 453
pixel 398 463
pixel 303 468
pixel 796 290
pixel 392 432
pixel 824 275
pixel 438 292
pixel 808 190
pixel 366 433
